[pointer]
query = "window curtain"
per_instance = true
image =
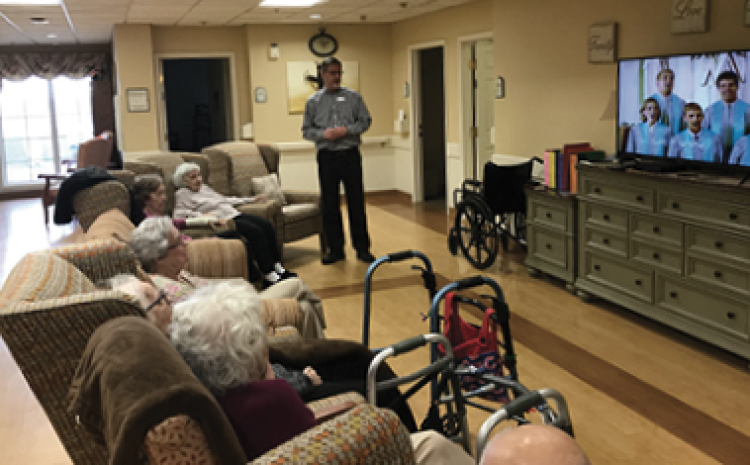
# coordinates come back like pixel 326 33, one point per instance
pixel 17 66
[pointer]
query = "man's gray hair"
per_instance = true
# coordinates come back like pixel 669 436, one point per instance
pixel 220 333
pixel 150 241
pixel 178 178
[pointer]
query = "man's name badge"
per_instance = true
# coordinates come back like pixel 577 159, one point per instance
pixel 341 99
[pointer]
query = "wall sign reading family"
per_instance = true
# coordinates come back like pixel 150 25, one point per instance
pixel 689 16
pixel 603 43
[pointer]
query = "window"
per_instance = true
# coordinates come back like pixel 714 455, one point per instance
pixel 42 122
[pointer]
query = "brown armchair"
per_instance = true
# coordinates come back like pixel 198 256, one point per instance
pixel 235 164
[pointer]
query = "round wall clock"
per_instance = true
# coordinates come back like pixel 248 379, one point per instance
pixel 322 44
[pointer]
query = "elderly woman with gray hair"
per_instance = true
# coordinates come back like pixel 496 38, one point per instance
pixel 195 199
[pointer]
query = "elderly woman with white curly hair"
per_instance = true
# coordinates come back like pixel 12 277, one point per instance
pixel 195 199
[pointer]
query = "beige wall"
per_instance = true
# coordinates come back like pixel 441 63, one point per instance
pixel 370 45
pixel 177 41
pixel 133 59
pixel 554 95
pixel 447 26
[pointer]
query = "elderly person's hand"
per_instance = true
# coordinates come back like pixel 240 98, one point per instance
pixel 312 375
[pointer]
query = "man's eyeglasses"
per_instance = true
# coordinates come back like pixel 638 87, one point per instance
pixel 163 297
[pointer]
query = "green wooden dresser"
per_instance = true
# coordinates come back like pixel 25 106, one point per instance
pixel 550 234
pixel 673 247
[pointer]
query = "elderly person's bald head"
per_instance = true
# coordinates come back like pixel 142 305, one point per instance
pixel 533 445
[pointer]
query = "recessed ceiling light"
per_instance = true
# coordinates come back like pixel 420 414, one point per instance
pixel 29 2
pixel 289 3
pixel 39 21
pixel 316 16
pixel 52 36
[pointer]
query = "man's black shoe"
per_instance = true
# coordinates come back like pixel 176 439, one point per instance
pixel 287 274
pixel 332 257
pixel 365 256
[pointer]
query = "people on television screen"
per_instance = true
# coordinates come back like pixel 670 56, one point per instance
pixel 695 142
pixel 649 137
pixel 730 116
pixel 670 104
pixel 739 155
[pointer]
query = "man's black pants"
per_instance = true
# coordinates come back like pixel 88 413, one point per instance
pixel 335 167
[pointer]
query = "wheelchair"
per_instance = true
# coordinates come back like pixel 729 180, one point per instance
pixel 490 211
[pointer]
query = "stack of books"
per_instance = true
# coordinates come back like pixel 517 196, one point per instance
pixel 560 171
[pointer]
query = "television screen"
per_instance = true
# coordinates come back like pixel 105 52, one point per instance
pixel 692 107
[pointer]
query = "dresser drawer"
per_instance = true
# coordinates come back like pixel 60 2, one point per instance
pixel 611 241
pixel 548 246
pixel 652 254
pixel 619 275
pixel 718 244
pixel 599 215
pixel 704 211
pixel 717 274
pixel 651 228
pixel 713 310
pixel 639 198
pixel 552 216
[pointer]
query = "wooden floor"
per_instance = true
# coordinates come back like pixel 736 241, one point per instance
pixel 639 393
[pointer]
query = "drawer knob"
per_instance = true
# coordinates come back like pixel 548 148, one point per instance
pixel 719 244
pixel 548 246
pixel 731 315
pixel 597 190
pixel 733 216
pixel 639 198
pixel 718 274
pixel 673 294
pixel 657 230
pixel 675 205
pixel 656 255
pixel 548 215
pixel 638 282
pixel 597 267
pixel 605 241
pixel 606 217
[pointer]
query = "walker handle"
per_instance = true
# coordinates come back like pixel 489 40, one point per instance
pixel 523 403
pixel 470 282
pixel 399 256
pixel 408 345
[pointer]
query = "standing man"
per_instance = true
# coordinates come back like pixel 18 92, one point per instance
pixel 335 117
pixel 729 118
pixel 670 105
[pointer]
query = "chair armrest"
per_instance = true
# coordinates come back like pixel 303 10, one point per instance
pixel 125 176
pixel 330 407
pixel 365 434
pixel 293 197
pixel 91 202
pixel 217 258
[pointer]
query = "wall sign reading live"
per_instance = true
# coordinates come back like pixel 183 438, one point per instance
pixel 689 16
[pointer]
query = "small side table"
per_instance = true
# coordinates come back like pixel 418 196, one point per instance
pixel 49 193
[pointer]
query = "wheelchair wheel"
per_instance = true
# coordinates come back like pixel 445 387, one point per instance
pixel 476 232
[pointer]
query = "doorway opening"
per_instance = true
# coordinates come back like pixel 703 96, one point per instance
pixel 430 114
pixel 197 103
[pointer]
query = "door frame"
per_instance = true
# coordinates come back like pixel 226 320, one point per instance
pixel 414 73
pixel 464 86
pixel 159 86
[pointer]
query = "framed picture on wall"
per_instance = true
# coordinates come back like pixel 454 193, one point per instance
pixel 689 16
pixel 603 43
pixel 138 100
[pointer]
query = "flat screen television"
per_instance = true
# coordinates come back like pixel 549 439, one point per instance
pixel 687 110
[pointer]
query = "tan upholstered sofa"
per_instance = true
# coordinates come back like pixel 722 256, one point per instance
pixel 49 308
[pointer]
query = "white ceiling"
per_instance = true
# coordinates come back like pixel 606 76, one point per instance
pixel 90 21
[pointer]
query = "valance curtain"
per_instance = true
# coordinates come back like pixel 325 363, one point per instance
pixel 18 66
pixel 48 65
